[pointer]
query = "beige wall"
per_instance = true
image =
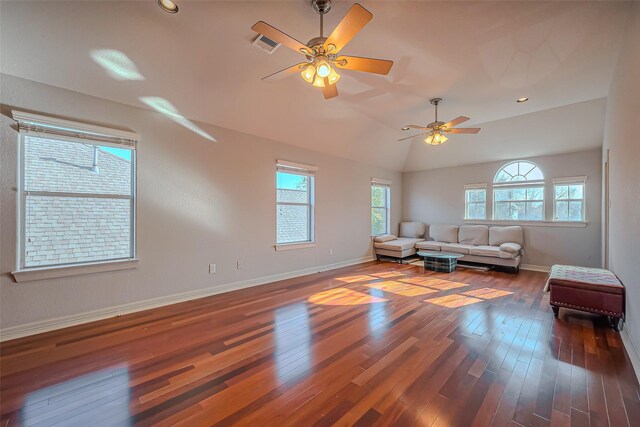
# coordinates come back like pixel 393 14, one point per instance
pixel 437 196
pixel 199 202
pixel 622 139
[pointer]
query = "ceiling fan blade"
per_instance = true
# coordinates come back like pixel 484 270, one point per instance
pixel 413 136
pixel 464 130
pixel 455 122
pixel 285 72
pixel 351 24
pixel 368 65
pixel 418 127
pixel 275 34
pixel 329 91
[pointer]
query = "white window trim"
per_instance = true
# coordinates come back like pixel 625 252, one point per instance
pixel 480 186
pixel 60 129
pixel 529 223
pixel 569 181
pixel 533 184
pixel 376 182
pixel 41 273
pixel 306 170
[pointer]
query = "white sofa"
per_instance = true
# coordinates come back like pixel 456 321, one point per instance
pixel 477 243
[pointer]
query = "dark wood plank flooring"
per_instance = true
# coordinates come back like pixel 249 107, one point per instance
pixel 370 345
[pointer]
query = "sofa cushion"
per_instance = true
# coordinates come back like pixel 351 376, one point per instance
pixel 484 250
pixel 430 245
pixel 510 234
pixel 473 235
pixel 399 244
pixel 412 229
pixel 385 238
pixel 513 248
pixel 457 248
pixel 444 233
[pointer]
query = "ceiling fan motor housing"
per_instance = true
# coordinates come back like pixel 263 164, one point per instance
pixel 321 6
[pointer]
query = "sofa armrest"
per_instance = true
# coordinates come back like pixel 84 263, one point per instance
pixel 512 248
pixel 384 238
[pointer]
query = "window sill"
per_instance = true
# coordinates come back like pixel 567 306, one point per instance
pixel 566 224
pixel 292 246
pixel 41 273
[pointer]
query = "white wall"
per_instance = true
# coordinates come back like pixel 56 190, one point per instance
pixel 437 196
pixel 199 202
pixel 622 139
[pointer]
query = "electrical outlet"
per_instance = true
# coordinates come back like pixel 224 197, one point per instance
pixel 330 251
pixel 212 268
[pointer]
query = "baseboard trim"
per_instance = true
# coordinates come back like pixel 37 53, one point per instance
pixel 119 310
pixel 533 267
pixel 631 351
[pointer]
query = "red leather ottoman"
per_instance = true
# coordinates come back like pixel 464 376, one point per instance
pixel 587 289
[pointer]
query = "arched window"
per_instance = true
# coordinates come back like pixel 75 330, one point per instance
pixel 518 171
pixel 518 192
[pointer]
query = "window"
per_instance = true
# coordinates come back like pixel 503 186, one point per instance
pixel 294 203
pixel 518 192
pixel 380 201
pixel 568 199
pixel 475 202
pixel 78 193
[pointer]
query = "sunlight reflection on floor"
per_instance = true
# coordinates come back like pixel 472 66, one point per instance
pixel 343 296
pixel 353 279
pixel 487 293
pixel 453 301
pixel 434 283
pixel 399 288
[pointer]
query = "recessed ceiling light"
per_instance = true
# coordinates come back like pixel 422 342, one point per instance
pixel 168 6
pixel 405 128
pixel 521 100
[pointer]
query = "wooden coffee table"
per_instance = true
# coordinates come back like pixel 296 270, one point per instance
pixel 444 262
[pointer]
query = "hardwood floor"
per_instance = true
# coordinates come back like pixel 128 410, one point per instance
pixel 375 344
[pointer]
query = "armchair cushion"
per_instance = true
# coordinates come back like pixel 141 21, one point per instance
pixel 384 238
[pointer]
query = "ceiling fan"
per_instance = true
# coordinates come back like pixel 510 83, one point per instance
pixel 436 130
pixel 322 52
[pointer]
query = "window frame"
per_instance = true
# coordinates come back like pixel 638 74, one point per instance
pixel 475 187
pixel 70 132
pixel 309 171
pixel 518 185
pixel 567 181
pixel 386 185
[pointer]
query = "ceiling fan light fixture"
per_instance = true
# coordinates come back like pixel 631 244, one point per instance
pixel 436 138
pixel 168 6
pixel 323 69
pixel 309 74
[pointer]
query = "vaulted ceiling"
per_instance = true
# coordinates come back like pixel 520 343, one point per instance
pixel 478 56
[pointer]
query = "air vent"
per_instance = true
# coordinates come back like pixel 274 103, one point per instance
pixel 265 43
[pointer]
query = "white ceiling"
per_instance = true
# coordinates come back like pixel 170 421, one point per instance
pixel 478 56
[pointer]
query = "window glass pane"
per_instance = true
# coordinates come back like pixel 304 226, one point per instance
pixel 575 211
pixel 502 210
pixel 472 195
pixel 501 194
pixel 576 191
pixel 292 181
pixel 482 195
pixel 503 177
pixel 535 193
pixel 379 196
pixel 519 194
pixel 512 169
pixel 70 167
pixel 471 211
pixel 62 230
pixel 535 174
pixel 535 211
pixel 481 212
pixel 517 210
pixel 562 211
pixel 292 196
pixel 292 223
pixel 562 191
pixel 378 221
